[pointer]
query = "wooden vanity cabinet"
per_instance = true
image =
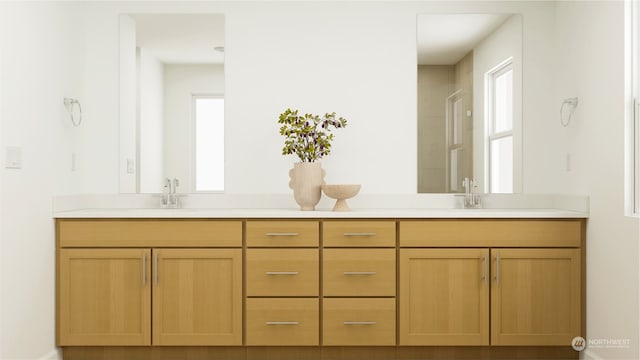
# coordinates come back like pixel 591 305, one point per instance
pixel 319 288
pixel 105 292
pixel 535 284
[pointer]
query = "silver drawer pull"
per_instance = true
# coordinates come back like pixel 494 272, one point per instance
pixel 282 323
pixel 282 273
pixel 282 234
pixel 359 273
pixel 360 234
pixel 144 269
pixel 360 323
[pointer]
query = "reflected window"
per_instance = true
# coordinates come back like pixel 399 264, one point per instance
pixel 209 145
pixel 500 128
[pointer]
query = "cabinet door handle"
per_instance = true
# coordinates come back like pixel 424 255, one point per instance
pixel 485 268
pixel 282 234
pixel 282 272
pixel 361 234
pixel 359 273
pixel 282 323
pixel 497 268
pixel 360 323
pixel 155 269
pixel 144 269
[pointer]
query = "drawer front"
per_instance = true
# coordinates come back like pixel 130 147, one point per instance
pixel 359 272
pixel 282 322
pixel 359 233
pixel 359 322
pixel 282 272
pixel 283 233
pixel 491 233
pixel 150 233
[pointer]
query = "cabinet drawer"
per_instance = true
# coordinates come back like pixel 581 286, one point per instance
pixel 359 322
pixel 282 272
pixel 149 233
pixel 359 233
pixel 491 233
pixel 359 272
pixel 283 233
pixel 282 322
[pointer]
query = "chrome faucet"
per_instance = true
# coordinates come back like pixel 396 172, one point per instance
pixel 170 197
pixel 472 200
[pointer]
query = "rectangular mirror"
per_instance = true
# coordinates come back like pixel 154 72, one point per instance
pixel 171 102
pixel 469 102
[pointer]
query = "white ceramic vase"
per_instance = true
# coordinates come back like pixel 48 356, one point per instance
pixel 307 179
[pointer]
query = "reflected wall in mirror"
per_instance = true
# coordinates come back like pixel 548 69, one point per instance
pixel 172 102
pixel 469 102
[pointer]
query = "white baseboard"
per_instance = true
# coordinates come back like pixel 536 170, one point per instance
pixel 54 354
pixel 589 355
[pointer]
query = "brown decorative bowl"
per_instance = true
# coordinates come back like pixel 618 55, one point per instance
pixel 341 193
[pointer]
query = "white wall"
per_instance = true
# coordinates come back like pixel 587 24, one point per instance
pixel 504 43
pixel 590 65
pixel 151 119
pixel 181 83
pixel 42 63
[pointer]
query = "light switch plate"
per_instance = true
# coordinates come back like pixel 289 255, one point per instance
pixel 13 157
pixel 131 166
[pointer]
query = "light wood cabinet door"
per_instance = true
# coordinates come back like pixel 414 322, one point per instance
pixel 197 297
pixel 104 297
pixel 535 296
pixel 444 297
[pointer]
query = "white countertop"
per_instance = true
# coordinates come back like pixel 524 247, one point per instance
pixel 201 213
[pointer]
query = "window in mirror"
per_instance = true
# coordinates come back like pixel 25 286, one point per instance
pixel 209 143
pixel 500 126
pixel 455 142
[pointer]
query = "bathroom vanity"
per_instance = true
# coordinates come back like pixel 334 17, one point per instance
pixel 259 284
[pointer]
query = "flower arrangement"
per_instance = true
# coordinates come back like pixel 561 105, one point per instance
pixel 308 136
